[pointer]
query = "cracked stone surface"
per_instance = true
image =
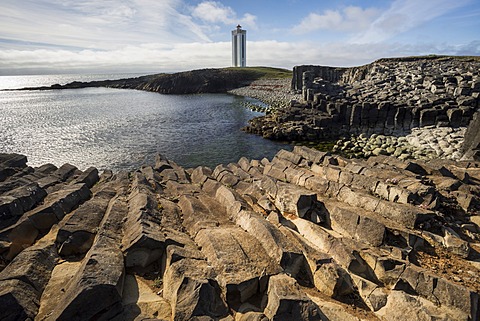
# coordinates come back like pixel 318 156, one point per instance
pixel 303 236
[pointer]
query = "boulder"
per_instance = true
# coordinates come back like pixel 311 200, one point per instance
pixel 401 306
pixel 89 177
pixel 78 230
pixel 239 259
pixel 295 200
pixel 101 275
pixel 23 281
pixel 287 302
pixel 19 299
pixel 471 144
pixel 190 286
pixel 20 200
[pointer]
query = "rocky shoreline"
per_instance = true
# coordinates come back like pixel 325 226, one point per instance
pixel 276 93
pixel 394 97
pixel 306 235
pixel 404 99
pixel 422 143
pixel 303 236
pixel 430 142
pixel 213 80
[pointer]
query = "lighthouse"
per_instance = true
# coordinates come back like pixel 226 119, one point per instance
pixel 239 47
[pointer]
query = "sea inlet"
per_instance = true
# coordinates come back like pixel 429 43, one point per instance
pixel 122 129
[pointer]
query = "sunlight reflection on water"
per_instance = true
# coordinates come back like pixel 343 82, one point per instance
pixel 123 129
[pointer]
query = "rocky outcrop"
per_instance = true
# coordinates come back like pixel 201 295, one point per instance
pixel 471 145
pixel 303 236
pixel 388 96
pixel 187 82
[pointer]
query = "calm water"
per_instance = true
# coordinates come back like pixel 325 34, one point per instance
pixel 123 129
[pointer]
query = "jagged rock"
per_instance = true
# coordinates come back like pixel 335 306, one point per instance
pixel 471 145
pixel 13 160
pixel 241 275
pixel 89 177
pixel 22 282
pixel 19 299
pixel 42 218
pixel 19 200
pixel 374 239
pixel 399 304
pixel 287 302
pixel 294 200
pixel 366 99
pixel 191 288
pixel 142 242
pixel 142 302
pixel 100 276
pixel 77 234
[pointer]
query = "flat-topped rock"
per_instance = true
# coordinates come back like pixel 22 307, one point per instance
pixel 304 236
pixel 387 96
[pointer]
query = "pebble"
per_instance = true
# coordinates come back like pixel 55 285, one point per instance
pixel 422 143
pixel 262 90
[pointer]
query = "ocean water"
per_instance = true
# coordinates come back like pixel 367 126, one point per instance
pixel 16 82
pixel 122 129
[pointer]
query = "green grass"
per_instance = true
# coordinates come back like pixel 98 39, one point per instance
pixel 265 72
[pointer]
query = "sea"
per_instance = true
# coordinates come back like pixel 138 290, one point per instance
pixel 122 129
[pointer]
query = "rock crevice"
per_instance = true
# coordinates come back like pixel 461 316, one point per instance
pixel 303 236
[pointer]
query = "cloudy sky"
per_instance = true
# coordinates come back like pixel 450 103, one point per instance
pixel 84 36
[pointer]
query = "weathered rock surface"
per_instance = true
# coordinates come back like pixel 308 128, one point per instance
pixel 388 97
pixel 304 236
pixel 471 146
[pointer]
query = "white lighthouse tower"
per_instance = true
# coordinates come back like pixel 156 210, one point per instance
pixel 239 47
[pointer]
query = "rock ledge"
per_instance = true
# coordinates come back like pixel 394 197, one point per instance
pixel 304 236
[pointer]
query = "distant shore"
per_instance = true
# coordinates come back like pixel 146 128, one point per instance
pixel 389 97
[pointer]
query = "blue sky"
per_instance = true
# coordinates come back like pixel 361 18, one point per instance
pixel 58 36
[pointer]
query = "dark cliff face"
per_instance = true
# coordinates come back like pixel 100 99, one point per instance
pixel 197 81
pixel 389 97
pixel 188 82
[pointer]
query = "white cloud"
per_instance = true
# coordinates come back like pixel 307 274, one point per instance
pixel 404 15
pixel 186 56
pixel 168 35
pixel 108 24
pixel 216 12
pixel 349 19
pixel 211 11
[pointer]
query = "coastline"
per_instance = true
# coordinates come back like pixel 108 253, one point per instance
pixel 389 97
pixel 306 233
pixel 276 93
pixel 426 143
pixel 313 229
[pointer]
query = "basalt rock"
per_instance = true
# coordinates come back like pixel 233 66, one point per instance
pixel 303 236
pixel 471 145
pixel 388 96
